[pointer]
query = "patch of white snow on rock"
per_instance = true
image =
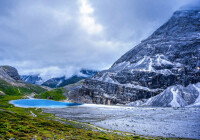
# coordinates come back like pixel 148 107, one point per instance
pixel 174 96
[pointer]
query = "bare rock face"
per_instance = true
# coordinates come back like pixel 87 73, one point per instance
pixel 111 93
pixel 170 56
pixel 174 96
pixel 12 72
pixel 9 74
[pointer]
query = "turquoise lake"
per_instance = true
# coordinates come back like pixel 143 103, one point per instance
pixel 41 103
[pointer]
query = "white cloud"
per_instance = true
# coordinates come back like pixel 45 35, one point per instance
pixel 56 38
pixel 61 16
pixel 87 19
pixel 53 71
pixel 85 7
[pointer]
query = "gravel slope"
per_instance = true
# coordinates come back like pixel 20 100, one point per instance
pixel 166 122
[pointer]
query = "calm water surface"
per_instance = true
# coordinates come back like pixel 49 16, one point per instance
pixel 41 103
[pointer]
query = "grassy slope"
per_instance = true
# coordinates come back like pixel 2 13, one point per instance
pixel 14 90
pixel 72 80
pixel 20 124
pixel 55 94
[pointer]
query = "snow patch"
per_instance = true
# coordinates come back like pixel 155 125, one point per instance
pixel 197 101
pixel 120 66
pixel 162 60
pixel 106 78
pixel 174 102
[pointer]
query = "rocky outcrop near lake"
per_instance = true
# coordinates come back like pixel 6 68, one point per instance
pixel 170 56
pixel 174 96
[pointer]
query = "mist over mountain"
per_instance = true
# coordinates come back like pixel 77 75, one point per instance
pixel 170 56
pixel 33 79
pixel 53 39
pixel 99 69
pixel 58 81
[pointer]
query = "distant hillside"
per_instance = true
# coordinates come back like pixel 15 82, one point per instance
pixel 12 84
pixel 32 79
pixel 58 81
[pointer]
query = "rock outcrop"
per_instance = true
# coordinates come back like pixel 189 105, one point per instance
pixel 174 96
pixel 170 56
pixel 9 74
pixel 12 72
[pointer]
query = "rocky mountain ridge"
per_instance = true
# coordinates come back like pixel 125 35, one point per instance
pixel 170 56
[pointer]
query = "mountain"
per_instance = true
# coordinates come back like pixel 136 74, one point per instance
pixel 170 56
pixel 54 82
pixel 58 81
pixel 88 73
pixel 32 79
pixel 9 74
pixel 12 84
pixel 63 81
pixel 174 96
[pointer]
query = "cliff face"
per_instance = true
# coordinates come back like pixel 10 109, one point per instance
pixel 9 74
pixel 170 56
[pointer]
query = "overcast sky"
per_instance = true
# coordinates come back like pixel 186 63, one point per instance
pixel 59 37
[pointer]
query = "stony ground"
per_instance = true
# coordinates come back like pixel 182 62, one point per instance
pixel 166 122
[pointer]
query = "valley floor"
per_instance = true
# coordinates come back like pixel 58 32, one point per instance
pixel 31 123
pixel 166 122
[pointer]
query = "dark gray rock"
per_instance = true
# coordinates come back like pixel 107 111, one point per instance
pixel 12 72
pixel 9 73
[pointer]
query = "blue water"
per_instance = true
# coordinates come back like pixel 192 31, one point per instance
pixel 41 103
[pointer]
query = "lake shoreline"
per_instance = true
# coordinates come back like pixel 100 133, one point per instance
pixel 146 121
pixel 40 103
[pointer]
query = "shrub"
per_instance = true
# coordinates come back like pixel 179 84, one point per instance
pixel 56 94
